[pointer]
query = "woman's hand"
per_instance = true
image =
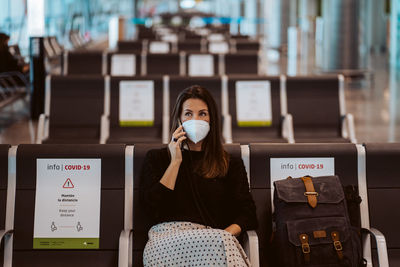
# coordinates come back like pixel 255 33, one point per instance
pixel 175 145
pixel 234 229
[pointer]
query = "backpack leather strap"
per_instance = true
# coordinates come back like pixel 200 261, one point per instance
pixel 337 244
pixel 310 191
pixel 305 247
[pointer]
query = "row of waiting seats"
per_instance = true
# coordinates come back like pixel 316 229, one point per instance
pixel 182 63
pixel 13 86
pixel 123 224
pixel 202 45
pixel 104 109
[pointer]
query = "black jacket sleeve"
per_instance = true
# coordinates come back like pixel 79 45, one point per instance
pixel 246 216
pixel 154 196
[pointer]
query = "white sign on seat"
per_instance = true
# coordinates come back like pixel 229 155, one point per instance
pixel 172 38
pixel 218 47
pixel 159 47
pixel 123 65
pixel 136 103
pixel 201 65
pixel 281 168
pixel 253 103
pixel 67 204
pixel 216 37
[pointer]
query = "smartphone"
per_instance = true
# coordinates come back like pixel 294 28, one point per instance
pixel 179 125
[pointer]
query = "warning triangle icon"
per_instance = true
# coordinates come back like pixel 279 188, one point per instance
pixel 68 184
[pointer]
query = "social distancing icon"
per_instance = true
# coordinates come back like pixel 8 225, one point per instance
pixel 68 184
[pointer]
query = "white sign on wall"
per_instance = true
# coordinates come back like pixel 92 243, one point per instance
pixel 67 204
pixel 136 103
pixel 201 65
pixel 253 103
pixel 123 65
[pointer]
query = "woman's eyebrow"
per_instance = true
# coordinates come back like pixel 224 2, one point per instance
pixel 203 110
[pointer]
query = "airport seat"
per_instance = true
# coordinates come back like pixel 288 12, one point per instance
pixel 82 63
pixel 73 108
pixel 216 64
pixel 246 45
pixel 337 159
pixel 241 63
pixel 3 184
pixel 280 129
pixel 122 71
pixel 163 64
pixel 115 206
pixel 317 104
pixel 118 132
pixel 384 193
pixel 145 32
pixel 190 46
pixel 141 222
pixel 131 46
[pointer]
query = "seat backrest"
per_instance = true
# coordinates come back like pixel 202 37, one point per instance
pixel 130 46
pixel 272 161
pixel 189 45
pixel 247 45
pixel 126 63
pixel 163 64
pixel 43 198
pixel 241 63
pixel 141 222
pixel 76 105
pixel 178 83
pixel 83 62
pixel 240 133
pixel 3 183
pixel 139 131
pixel 384 193
pixel 314 102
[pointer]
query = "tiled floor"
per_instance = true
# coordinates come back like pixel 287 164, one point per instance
pixel 374 103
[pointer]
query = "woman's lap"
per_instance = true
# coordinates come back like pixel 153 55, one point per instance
pixel 190 244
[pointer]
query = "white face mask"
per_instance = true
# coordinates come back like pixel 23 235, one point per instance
pixel 196 130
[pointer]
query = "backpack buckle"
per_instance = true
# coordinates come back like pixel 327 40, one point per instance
pixel 311 194
pixel 305 248
pixel 338 245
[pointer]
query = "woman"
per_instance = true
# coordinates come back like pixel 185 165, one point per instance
pixel 197 195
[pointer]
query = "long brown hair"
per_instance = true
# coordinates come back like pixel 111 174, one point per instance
pixel 216 159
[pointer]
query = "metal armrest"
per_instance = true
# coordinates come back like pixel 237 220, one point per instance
pixel 251 247
pixel 104 129
pixel 4 234
pixel 227 128
pixel 348 128
pixel 383 259
pixel 287 128
pixel 125 248
pixel 43 128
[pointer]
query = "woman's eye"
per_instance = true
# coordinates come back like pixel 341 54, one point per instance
pixel 203 114
pixel 188 114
